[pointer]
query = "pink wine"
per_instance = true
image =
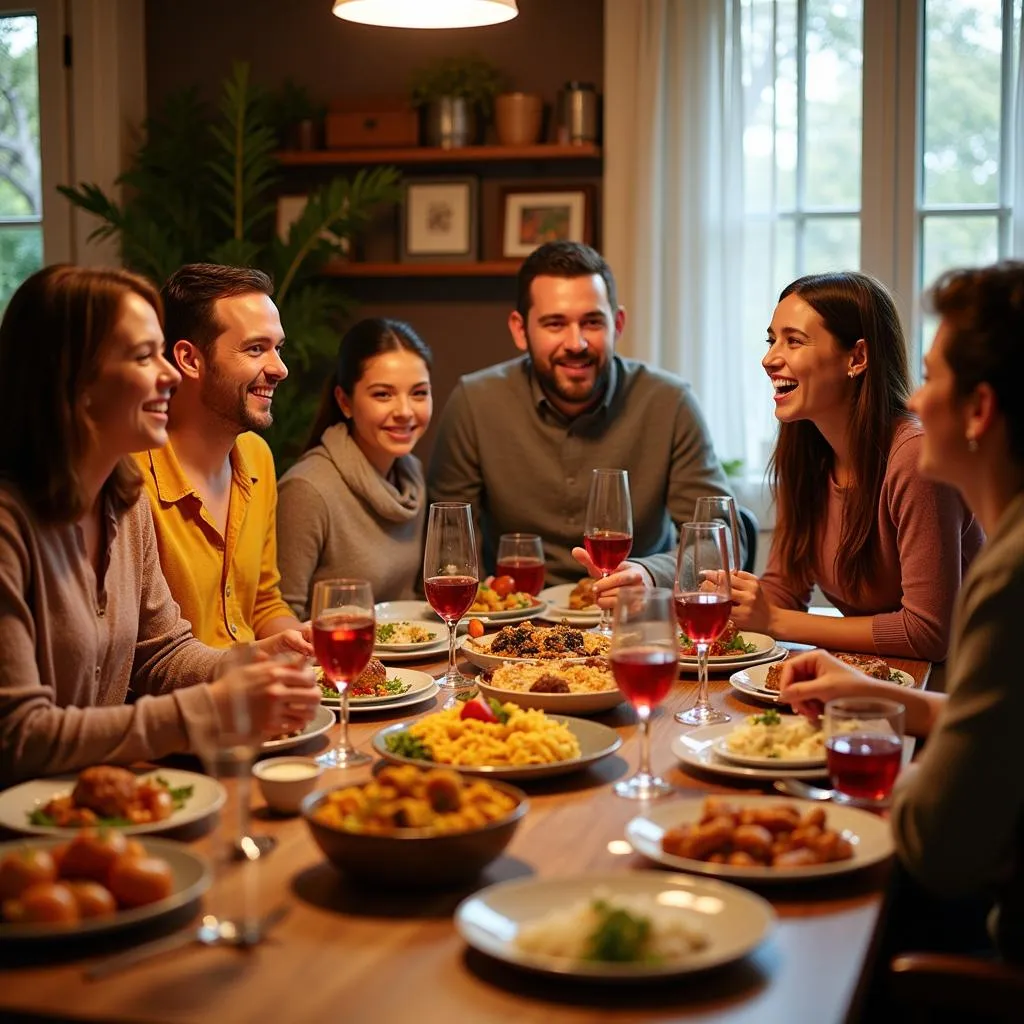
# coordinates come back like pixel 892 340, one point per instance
pixel 863 766
pixel 343 645
pixel 644 674
pixel 527 572
pixel 702 617
pixel 607 548
pixel 450 596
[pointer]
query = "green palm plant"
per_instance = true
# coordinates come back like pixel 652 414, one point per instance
pixel 201 188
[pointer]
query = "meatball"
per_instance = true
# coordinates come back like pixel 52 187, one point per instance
pixel 107 790
pixel 549 683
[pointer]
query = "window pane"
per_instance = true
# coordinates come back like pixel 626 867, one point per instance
pixel 21 253
pixel 831 243
pixel 962 101
pixel 833 91
pixel 957 241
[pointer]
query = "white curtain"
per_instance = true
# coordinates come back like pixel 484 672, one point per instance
pixel 1018 152
pixel 674 208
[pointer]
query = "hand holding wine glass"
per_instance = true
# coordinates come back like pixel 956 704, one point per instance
pixel 344 622
pixel 703 597
pixel 645 661
pixel 608 531
pixel 451 573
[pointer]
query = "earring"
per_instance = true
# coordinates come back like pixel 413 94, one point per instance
pixel 972 444
pixel 851 374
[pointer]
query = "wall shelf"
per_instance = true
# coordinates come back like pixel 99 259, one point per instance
pixel 478 268
pixel 431 155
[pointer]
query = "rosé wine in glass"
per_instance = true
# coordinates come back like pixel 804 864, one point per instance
pixel 702 617
pixel 450 596
pixel 608 548
pixel 608 528
pixel 343 645
pixel 645 674
pixel 863 747
pixel 527 572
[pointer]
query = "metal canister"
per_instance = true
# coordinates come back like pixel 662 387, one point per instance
pixel 577 107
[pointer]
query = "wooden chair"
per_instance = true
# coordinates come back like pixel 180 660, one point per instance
pixel 939 986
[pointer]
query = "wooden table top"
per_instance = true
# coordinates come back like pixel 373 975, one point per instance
pixel 348 953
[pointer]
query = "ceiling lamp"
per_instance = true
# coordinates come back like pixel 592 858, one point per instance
pixel 426 13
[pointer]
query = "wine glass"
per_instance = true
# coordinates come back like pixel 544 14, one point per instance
pixel 703 595
pixel 721 508
pixel 645 660
pixel 521 556
pixel 343 636
pixel 863 748
pixel 451 573
pixel 608 531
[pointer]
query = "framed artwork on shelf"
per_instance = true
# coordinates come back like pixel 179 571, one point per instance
pixel 290 209
pixel 531 217
pixel 439 220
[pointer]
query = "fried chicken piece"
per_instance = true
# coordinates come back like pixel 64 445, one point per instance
pixel 373 675
pixel 105 789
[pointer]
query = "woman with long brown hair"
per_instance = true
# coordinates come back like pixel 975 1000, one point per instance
pixel 854 516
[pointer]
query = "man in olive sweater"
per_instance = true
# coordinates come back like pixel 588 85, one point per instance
pixel 519 440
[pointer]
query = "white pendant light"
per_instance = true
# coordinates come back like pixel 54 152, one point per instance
pixel 426 13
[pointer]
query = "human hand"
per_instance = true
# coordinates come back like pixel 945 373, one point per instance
pixel 288 641
pixel 274 695
pixel 751 609
pixel 606 588
pixel 809 681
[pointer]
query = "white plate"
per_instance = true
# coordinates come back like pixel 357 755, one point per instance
pixel 763 644
pixel 735 921
pixel 557 599
pixel 752 681
pixel 418 682
pixel 395 611
pixel 777 653
pixel 438 635
pixel 191 879
pixel 595 740
pixel 506 617
pixel 439 648
pixel 18 802
pixel 560 703
pixel 477 652
pixel 696 749
pixel 869 834
pixel 721 747
pixel 407 701
pixel 322 721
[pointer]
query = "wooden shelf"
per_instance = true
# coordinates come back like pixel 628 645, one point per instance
pixel 480 268
pixel 430 155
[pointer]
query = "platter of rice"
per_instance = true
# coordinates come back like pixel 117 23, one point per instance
pixel 566 687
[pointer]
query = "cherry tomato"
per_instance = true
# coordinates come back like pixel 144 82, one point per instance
pixel 24 868
pixel 51 902
pixel 503 585
pixel 91 854
pixel 93 899
pixel 475 629
pixel 479 709
pixel 136 881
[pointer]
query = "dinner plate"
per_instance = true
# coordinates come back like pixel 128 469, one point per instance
pixel 560 703
pixel 511 615
pixel 557 599
pixel 869 835
pixel 763 644
pixel 435 649
pixel 777 653
pixel 18 802
pixel 437 630
pixel 191 879
pixel 406 701
pixel 322 720
pixel 733 920
pixel 696 749
pixel 418 683
pixel 477 651
pixel 721 747
pixel 394 611
pixel 595 740
pixel 752 681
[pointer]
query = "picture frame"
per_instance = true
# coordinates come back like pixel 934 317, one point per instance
pixel 439 220
pixel 531 217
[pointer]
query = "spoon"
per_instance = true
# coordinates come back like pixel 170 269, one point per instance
pixel 795 787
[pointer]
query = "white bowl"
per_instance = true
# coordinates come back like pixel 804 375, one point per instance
pixel 285 781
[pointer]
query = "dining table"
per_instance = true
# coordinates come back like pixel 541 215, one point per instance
pixel 382 954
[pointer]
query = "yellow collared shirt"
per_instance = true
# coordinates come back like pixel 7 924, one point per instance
pixel 227 586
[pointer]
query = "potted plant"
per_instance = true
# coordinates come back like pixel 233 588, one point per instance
pixel 297 120
pixel 202 188
pixel 457 97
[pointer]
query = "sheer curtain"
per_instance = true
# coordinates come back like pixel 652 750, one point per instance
pixel 1018 151
pixel 675 231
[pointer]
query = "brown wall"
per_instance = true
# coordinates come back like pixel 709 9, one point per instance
pixel 194 42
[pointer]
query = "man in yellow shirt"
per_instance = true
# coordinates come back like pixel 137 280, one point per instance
pixel 213 488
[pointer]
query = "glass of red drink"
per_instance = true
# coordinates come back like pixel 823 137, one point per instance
pixel 451 573
pixel 343 636
pixel 608 530
pixel 703 600
pixel 863 748
pixel 645 662
pixel 521 556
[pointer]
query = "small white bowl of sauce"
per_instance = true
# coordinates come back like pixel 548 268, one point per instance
pixel 284 781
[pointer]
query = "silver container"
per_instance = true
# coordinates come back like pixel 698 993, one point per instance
pixel 577 113
pixel 450 122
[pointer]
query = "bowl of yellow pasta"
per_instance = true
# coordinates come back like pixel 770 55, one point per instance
pixel 410 826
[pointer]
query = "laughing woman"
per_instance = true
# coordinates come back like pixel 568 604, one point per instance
pixel 85 613
pixel 887 546
pixel 354 504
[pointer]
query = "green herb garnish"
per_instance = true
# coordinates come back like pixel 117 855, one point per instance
pixel 499 712
pixel 385 631
pixel 619 937
pixel 770 717
pixel 406 745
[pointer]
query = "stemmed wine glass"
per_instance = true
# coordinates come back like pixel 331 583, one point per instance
pixel 343 636
pixel 703 595
pixel 521 556
pixel 721 508
pixel 645 660
pixel 608 531
pixel 451 573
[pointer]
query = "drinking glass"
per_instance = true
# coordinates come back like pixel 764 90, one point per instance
pixel 703 596
pixel 645 661
pixel 863 748
pixel 451 573
pixel 608 531
pixel 343 636
pixel 521 556
pixel 722 508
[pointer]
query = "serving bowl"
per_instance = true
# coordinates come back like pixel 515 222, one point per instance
pixel 412 857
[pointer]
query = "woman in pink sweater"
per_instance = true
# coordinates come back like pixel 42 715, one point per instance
pixel 854 515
